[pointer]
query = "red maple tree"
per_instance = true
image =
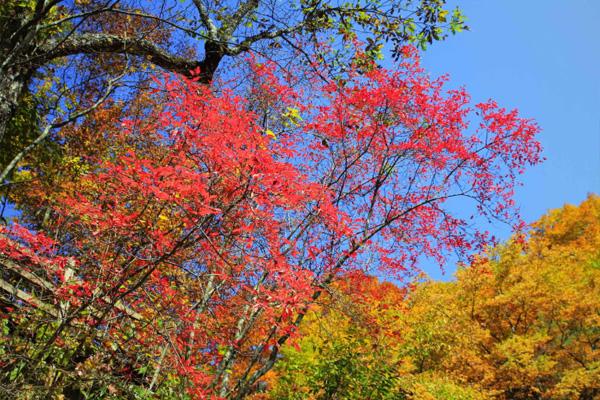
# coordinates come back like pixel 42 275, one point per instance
pixel 200 236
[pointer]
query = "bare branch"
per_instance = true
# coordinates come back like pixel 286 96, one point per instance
pixel 245 44
pixel 89 43
pixel 206 20
pixel 236 19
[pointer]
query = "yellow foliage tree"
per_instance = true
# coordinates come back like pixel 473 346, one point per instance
pixel 521 322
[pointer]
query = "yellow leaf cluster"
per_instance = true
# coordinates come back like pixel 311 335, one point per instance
pixel 522 322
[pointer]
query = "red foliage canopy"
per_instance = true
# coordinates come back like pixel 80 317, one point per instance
pixel 219 226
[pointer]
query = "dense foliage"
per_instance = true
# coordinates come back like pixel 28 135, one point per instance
pixel 522 322
pixel 180 248
pixel 174 221
pixel 60 59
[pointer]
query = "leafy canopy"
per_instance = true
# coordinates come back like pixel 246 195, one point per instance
pixel 522 322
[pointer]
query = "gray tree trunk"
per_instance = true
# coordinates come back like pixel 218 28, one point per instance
pixel 11 87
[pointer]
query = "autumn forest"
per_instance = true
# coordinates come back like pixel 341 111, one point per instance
pixel 226 200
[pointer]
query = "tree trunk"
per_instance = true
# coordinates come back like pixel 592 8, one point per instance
pixel 11 87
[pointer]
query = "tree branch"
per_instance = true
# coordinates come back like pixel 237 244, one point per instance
pixel 46 131
pixel 206 20
pixel 90 43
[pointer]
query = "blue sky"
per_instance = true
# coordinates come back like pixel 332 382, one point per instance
pixel 542 57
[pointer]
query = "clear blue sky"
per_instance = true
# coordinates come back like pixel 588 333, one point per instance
pixel 542 57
